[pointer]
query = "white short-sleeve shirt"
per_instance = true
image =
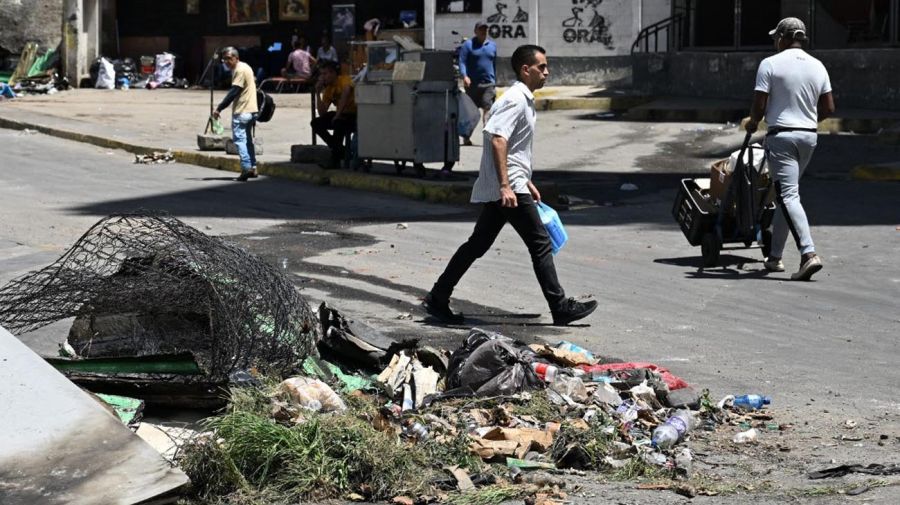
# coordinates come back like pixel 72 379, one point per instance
pixel 794 81
pixel 513 118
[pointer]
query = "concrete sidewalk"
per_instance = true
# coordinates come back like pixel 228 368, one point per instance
pixel 578 138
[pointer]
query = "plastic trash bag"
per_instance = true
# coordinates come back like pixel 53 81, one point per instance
pixel 165 68
pixel 106 75
pixel 468 116
pixel 216 126
pixel 554 226
pixel 490 364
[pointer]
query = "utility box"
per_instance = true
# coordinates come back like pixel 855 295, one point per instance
pixel 407 107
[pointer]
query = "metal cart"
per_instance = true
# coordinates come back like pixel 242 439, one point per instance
pixel 407 107
pixel 744 216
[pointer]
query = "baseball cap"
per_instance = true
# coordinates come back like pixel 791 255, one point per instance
pixel 480 24
pixel 790 28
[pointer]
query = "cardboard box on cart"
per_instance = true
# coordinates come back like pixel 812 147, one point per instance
pixel 720 173
pixel 719 180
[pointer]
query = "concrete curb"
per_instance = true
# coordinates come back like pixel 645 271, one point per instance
pixel 545 99
pixel 864 126
pixel 418 189
pixel 78 137
pixel 686 115
pixel 590 103
pixel 885 172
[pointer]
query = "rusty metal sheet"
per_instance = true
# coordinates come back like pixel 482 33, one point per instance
pixel 59 446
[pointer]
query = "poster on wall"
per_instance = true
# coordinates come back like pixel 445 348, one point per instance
pixel 458 6
pixel 192 6
pixel 343 21
pixel 293 10
pixel 247 12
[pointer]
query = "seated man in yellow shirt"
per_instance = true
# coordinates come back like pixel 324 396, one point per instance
pixel 334 89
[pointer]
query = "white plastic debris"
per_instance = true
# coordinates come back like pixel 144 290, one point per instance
pixel 746 437
pixel 312 394
pixel 728 400
pixel 628 187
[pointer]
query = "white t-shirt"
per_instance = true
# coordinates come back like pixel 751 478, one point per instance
pixel 794 81
pixel 330 54
pixel 513 118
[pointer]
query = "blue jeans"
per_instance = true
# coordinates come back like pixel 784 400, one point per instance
pixel 789 154
pixel 240 125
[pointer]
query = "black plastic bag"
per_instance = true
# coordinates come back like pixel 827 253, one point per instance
pixel 491 364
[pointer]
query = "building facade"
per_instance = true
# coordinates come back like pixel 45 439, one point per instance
pixel 588 41
pixel 712 48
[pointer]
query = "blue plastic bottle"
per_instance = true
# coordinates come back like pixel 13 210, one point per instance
pixel 554 226
pixel 751 402
pixel 569 346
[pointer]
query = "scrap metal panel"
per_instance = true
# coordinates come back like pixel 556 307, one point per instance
pixel 60 446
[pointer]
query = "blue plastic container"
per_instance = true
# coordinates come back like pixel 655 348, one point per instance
pixel 554 226
pixel 751 402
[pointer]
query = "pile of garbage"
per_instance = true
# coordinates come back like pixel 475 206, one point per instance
pixel 125 73
pixel 155 158
pixel 321 405
pixel 495 416
pixel 37 72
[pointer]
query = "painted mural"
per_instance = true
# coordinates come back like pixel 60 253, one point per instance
pixel 507 19
pixel 586 25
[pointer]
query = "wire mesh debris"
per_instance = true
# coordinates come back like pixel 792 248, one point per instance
pixel 150 284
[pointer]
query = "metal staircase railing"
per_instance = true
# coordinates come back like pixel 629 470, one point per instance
pixel 672 26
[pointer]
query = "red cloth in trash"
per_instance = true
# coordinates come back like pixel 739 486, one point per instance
pixel 672 381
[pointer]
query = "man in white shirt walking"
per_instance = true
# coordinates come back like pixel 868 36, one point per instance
pixel 793 92
pixel 505 190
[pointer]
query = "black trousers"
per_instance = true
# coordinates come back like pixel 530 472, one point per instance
pixel 527 223
pixel 344 125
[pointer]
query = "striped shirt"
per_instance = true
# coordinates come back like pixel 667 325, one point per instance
pixel 513 118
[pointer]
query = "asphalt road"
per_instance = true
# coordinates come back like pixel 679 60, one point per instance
pixel 826 350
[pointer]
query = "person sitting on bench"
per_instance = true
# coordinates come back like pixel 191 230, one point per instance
pixel 300 63
pixel 332 88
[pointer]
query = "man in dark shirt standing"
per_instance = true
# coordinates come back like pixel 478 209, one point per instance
pixel 477 60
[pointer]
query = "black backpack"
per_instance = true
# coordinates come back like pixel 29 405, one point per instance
pixel 266 106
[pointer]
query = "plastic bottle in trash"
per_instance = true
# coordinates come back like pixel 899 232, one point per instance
pixel 417 431
pixel 751 402
pixel 673 430
pixel 546 372
pixel 569 346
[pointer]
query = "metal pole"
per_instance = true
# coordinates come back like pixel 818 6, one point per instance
pixel 312 104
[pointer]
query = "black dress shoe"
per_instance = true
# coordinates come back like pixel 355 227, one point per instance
pixel 441 310
pixel 573 310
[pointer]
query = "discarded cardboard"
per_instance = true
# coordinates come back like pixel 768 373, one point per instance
pixel 719 180
pixel 562 356
pixel 525 439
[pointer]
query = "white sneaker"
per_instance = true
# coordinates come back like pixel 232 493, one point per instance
pixel 807 270
pixel 774 265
